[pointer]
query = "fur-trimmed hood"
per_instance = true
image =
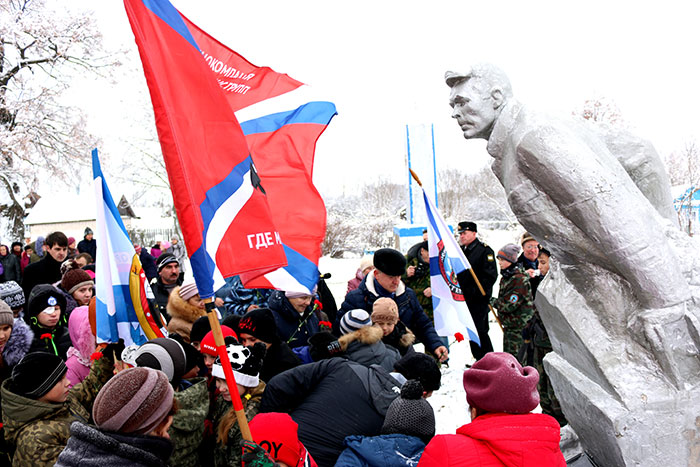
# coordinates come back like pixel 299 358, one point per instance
pixel 181 309
pixel 18 344
pixel 366 335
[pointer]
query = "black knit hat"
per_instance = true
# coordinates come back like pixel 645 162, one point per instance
pixel 12 294
pixel 389 261
pixel 410 414
pixel 417 365
pixel 259 323
pixel 165 259
pixel 43 296
pixel 36 374
pixel 200 328
pixel 192 356
pixel 324 345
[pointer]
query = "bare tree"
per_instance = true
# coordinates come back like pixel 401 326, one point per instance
pixel 601 110
pixel 40 47
pixel 683 167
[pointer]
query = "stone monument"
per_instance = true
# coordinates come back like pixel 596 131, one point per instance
pixel 622 301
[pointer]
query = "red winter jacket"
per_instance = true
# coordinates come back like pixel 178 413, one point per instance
pixel 498 439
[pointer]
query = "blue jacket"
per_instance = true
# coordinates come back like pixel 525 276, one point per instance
pixel 288 320
pixel 410 311
pixel 239 298
pixel 381 451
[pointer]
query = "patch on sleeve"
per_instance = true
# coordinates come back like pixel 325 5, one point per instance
pixel 513 298
pixel 489 257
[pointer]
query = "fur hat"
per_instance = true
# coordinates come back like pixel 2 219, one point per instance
pixel 385 309
pixel 277 433
pixel 12 294
pixel 188 290
pixel 163 354
pixel 135 401
pixel 259 323
pixel 422 367
pixel 42 297
pixel 354 320
pixel 75 278
pixel 208 345
pixel 410 414
pixel 246 362
pixel 6 315
pixel 497 383
pixel 389 261
pixel 324 345
pixel 37 373
pixel 509 253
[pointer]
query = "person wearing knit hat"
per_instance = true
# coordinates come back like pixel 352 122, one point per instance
pixel 354 320
pixel 515 300
pixel 421 367
pixel 529 260
pixel 278 435
pixel 501 394
pixel 385 314
pixel 88 244
pixel 15 340
pixel 38 407
pixel 409 424
pixel 132 414
pixel 208 347
pixel 168 278
pixel 72 248
pixel 12 294
pixel 163 354
pixel 78 285
pixel 258 325
pixel 184 307
pixel 200 328
pixel 45 315
pixel 246 363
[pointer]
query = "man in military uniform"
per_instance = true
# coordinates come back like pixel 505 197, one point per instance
pixel 514 302
pixel 483 263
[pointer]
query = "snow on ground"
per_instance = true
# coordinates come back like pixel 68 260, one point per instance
pixel 449 401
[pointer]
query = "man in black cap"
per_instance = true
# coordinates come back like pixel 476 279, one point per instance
pixel 168 278
pixel 483 262
pixel 385 281
pixel 88 244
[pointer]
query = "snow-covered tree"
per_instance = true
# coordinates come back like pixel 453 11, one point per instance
pixel 42 45
pixel 601 110
pixel 683 166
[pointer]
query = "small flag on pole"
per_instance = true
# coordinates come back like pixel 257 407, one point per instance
pixel 122 311
pixel 450 311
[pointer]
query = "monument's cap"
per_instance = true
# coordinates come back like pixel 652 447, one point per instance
pixel 454 77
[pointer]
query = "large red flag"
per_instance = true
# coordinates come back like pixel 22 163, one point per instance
pixel 222 209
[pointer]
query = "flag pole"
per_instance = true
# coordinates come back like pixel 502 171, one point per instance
pixel 228 372
pixel 478 284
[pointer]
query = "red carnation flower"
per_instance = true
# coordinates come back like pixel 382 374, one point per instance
pixel 46 336
pixel 459 336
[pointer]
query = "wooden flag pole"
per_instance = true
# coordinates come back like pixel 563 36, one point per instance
pixel 228 372
pixel 478 284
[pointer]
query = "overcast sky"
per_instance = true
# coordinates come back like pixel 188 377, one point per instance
pixel 382 64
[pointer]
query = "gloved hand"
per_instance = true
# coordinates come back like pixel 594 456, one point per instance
pixel 255 456
pixel 492 301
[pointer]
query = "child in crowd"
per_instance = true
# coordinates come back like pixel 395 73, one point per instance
pixel 45 315
pixel 408 426
pixel 132 415
pixel 514 302
pixel 12 294
pixel 184 307
pixel 77 285
pixel 38 407
pixel 246 363
pixel 83 347
pixel 362 342
pixel 277 435
pixel 385 314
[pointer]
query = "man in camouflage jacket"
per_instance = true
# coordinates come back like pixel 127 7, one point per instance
pixel 514 303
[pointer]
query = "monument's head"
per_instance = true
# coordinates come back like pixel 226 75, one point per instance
pixel 477 98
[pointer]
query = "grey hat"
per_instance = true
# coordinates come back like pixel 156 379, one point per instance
pixel 354 320
pixel 6 315
pixel 164 354
pixel 509 253
pixel 410 414
pixel 12 294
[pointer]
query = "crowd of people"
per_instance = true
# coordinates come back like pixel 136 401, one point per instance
pixel 319 385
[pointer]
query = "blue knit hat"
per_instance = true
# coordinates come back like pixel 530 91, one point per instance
pixel 354 320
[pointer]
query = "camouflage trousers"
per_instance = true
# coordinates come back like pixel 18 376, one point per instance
pixel 512 340
pixel 548 400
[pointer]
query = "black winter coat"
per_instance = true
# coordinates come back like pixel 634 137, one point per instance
pixel 288 320
pixel 278 358
pixel 46 271
pixel 11 268
pixel 88 246
pixel 410 311
pixel 330 400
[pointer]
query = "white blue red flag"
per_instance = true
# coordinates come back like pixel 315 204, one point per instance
pixel 282 122
pixel 447 259
pixel 115 314
pixel 220 203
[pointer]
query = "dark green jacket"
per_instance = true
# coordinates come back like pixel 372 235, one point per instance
pixel 419 282
pixel 187 430
pixel 514 302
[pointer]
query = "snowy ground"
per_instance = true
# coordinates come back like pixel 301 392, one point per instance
pixel 450 401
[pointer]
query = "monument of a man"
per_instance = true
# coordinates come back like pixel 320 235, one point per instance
pixel 618 305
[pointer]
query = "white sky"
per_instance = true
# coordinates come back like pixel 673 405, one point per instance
pixel 382 64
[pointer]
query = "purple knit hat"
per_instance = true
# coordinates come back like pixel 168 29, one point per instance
pixel 497 383
pixel 134 401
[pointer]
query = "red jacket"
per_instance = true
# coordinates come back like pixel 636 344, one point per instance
pixel 496 440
